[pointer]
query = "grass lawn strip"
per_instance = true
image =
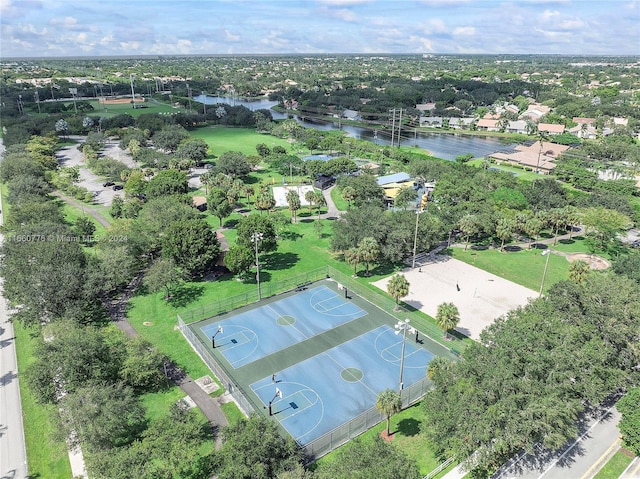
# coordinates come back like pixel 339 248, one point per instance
pixel 47 457
pixel 614 467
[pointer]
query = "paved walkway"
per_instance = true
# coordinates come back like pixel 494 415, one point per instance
pixel 87 209
pixel 209 406
pixel 332 211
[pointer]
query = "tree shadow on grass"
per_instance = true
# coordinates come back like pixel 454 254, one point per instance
pixel 566 241
pixel 280 261
pixel 290 235
pixel 184 294
pixel 408 427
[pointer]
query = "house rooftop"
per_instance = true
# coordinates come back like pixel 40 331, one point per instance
pixel 394 178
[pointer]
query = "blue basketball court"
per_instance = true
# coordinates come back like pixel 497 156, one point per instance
pixel 319 394
pixel 254 334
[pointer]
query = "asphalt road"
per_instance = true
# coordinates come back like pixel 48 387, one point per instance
pixel 13 455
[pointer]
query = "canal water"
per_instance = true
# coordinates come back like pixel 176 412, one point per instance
pixel 441 145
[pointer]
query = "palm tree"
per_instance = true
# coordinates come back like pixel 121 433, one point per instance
pixel 369 251
pixel 348 194
pixel 504 230
pixel 310 196
pixel 468 224
pixel 578 271
pixel 532 228
pixel 388 403
pixel 264 201
pixel 447 317
pixel 320 202
pixel 294 203
pixel 398 287
pixel 436 365
pixel 352 257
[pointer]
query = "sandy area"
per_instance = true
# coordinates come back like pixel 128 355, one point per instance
pixel 280 194
pixel 481 297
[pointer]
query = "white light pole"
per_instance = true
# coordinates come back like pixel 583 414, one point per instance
pixel 546 253
pixel 133 94
pixel 402 327
pixel 256 238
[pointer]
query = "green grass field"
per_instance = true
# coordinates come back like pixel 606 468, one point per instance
pixel 524 267
pixel 221 139
pixel 110 110
pixel 406 426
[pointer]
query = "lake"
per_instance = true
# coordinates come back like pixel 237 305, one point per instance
pixel 442 145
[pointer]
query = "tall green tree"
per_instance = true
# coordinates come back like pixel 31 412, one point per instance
pixel 389 403
pixel 364 460
pixel 253 448
pixel 103 416
pixel 293 199
pixel 353 258
pixel 398 287
pixel 239 259
pixel 369 251
pixel 447 317
pixel 630 421
pixel 578 271
pixel 192 245
pixel 218 204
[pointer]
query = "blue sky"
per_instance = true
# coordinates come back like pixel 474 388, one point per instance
pixel 49 28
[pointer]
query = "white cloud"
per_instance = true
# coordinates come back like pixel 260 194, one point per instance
pixel 231 37
pixel 66 22
pixel 549 14
pixel 464 31
pixel 341 14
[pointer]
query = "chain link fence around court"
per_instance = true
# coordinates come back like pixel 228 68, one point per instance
pixel 269 289
pixel 362 423
pixel 388 305
pixel 350 429
pixel 230 386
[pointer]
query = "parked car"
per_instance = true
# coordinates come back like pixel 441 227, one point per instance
pixel 108 183
pixel 117 187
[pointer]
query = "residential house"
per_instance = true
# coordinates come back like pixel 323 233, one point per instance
pixel 460 123
pixel 535 157
pixel 425 106
pixel 518 126
pixel 350 115
pixel 584 131
pixel 550 128
pixel 488 125
pixel 432 121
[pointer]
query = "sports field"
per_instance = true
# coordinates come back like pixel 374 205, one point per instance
pixel 314 358
pixel 481 297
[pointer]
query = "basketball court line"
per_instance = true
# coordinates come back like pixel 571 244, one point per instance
pixel 292 325
pixel 290 398
pixel 361 380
